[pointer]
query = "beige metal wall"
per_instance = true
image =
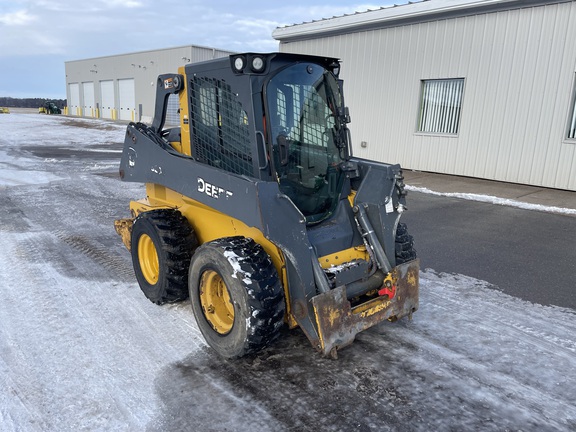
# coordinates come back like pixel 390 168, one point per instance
pixel 519 68
pixel 143 67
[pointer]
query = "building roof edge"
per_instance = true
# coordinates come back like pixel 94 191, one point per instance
pixel 191 46
pixel 411 12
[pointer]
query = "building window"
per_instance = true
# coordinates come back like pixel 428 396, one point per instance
pixel 572 124
pixel 440 106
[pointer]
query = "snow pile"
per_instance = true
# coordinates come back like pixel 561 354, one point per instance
pixel 494 200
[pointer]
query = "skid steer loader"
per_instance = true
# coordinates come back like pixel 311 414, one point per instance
pixel 257 210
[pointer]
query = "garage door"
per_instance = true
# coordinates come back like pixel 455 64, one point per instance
pixel 88 94
pixel 107 92
pixel 127 99
pixel 74 102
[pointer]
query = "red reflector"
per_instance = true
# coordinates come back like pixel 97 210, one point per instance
pixel 389 291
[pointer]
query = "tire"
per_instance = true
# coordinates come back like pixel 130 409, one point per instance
pixel 162 243
pixel 236 296
pixel 404 245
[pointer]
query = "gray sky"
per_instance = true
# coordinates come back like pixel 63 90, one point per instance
pixel 38 36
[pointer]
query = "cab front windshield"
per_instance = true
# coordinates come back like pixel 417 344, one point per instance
pixel 308 137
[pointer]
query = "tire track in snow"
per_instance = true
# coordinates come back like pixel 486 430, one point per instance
pixel 455 367
pixel 494 313
pixel 493 393
pixel 491 359
pixel 67 322
pixel 118 267
pixel 75 350
pixel 25 290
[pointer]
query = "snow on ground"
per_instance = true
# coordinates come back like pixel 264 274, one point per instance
pixel 494 200
pixel 15 177
pixel 81 348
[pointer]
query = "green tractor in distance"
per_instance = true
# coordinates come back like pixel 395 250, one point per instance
pixel 49 108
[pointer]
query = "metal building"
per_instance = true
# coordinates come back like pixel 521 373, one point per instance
pixel 479 88
pixel 123 86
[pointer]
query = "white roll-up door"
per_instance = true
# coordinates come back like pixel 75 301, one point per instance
pixel 127 99
pixel 74 102
pixel 88 94
pixel 107 92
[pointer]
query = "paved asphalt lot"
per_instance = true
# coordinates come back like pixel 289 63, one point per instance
pixel 527 254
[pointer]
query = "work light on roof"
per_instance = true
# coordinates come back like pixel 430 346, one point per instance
pixel 239 63
pixel 258 64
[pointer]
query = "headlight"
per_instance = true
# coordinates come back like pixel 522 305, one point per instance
pixel 248 63
pixel 239 64
pixel 258 64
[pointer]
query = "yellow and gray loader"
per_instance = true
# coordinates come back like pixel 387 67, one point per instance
pixel 256 209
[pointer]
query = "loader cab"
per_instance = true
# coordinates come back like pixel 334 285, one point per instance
pixel 306 130
pixel 276 117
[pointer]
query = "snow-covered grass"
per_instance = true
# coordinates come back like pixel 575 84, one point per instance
pixel 81 348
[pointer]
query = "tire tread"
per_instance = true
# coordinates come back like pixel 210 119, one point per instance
pixel 178 242
pixel 265 294
pixel 404 245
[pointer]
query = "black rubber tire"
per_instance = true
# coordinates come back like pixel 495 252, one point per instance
pixel 254 289
pixel 174 241
pixel 404 245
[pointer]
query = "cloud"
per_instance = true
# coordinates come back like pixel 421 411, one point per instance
pixel 123 3
pixel 71 29
pixel 18 18
pixel 256 26
pixel 29 34
pixel 92 28
pixel 63 30
pixel 257 23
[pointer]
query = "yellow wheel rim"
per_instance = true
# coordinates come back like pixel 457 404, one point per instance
pixel 148 259
pixel 215 301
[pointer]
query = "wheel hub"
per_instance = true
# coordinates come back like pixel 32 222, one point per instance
pixel 148 258
pixel 216 304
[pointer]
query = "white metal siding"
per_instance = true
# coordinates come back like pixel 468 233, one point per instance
pixel 518 67
pixel 88 97
pixel 127 99
pixel 107 97
pixel 74 102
